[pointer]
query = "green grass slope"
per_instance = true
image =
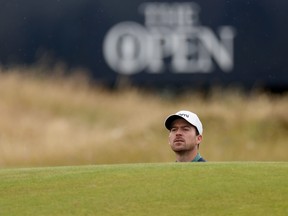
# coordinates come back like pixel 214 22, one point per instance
pixel 147 189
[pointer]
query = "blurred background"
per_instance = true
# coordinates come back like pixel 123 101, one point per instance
pixel 92 81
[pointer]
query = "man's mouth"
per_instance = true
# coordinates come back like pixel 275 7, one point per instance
pixel 178 140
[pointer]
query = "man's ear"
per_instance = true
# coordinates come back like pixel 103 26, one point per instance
pixel 199 139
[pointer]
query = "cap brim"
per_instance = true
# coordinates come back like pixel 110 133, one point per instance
pixel 170 119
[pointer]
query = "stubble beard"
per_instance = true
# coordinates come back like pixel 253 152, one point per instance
pixel 183 150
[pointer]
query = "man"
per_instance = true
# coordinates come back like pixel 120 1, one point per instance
pixel 185 136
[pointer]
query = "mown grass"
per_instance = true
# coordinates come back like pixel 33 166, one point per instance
pixel 237 188
pixel 49 120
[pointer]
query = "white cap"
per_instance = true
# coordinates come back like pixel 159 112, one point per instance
pixel 190 117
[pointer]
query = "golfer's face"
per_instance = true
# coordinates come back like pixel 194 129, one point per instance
pixel 182 136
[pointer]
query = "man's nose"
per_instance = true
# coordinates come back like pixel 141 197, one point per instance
pixel 178 132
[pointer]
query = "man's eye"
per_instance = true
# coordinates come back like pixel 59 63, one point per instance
pixel 173 129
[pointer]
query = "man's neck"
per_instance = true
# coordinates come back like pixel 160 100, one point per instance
pixel 185 156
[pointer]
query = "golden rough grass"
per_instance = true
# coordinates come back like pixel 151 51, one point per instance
pixel 52 120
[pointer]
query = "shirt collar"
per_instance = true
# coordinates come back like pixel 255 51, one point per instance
pixel 198 156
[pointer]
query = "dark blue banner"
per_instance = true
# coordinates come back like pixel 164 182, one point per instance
pixel 153 43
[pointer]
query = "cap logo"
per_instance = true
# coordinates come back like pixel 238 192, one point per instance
pixel 184 115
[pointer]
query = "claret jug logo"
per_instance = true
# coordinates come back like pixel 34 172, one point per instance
pixel 171 39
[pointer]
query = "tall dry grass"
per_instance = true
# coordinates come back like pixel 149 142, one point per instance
pixel 54 120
